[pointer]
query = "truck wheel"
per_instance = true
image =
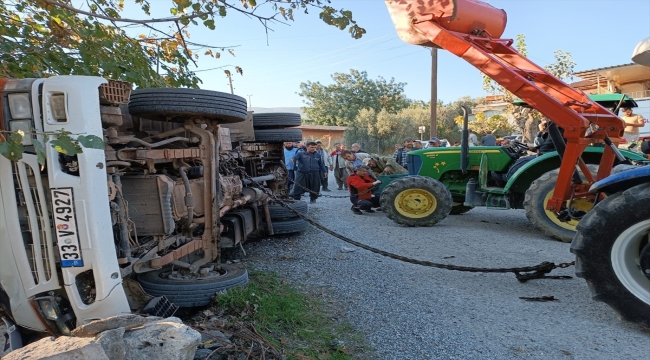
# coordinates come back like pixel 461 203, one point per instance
pixel 191 291
pixel 459 209
pixel 177 105
pixel 416 201
pixel 539 192
pixel 612 253
pixel 275 120
pixel 278 135
pixel 289 226
pixel 280 213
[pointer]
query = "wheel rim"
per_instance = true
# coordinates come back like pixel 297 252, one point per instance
pixel 577 204
pixel 415 203
pixel 625 260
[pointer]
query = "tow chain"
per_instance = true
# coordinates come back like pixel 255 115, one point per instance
pixel 522 274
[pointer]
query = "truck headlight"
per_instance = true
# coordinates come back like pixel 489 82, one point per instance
pixel 48 309
pixel 19 106
pixel 26 126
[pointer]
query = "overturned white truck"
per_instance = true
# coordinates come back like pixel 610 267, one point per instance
pixel 139 221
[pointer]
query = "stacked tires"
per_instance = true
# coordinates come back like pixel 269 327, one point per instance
pixel 286 221
pixel 276 127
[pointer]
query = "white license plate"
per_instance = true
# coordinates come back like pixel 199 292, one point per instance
pixel 65 226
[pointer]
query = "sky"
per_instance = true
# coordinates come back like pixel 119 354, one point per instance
pixel 597 33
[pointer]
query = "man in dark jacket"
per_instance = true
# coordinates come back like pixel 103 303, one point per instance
pixel 360 185
pixel 308 167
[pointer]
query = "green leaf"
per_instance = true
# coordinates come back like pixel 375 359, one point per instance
pixel 12 150
pixel 66 145
pixel 91 142
pixel 209 24
pixel 40 151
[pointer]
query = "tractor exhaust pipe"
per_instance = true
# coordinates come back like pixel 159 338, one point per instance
pixel 464 142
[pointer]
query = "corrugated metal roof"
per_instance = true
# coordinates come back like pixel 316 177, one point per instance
pixel 322 127
pixel 602 68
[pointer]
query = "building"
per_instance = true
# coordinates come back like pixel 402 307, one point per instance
pixel 632 80
pixel 329 135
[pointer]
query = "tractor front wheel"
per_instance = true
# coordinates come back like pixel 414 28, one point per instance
pixel 536 197
pixel 612 249
pixel 416 201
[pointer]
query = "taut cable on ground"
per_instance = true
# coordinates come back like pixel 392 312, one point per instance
pixel 523 273
pixel 329 196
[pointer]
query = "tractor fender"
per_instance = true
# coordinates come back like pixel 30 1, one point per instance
pixel 622 180
pixel 520 181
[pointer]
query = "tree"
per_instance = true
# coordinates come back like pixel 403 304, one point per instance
pixel 40 38
pixel 341 102
pixel 498 125
pixel 526 119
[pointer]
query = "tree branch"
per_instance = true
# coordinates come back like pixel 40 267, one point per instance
pixel 134 21
pixel 187 52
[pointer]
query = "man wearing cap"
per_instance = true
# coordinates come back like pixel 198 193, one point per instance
pixel 632 124
pixel 360 185
pixel 309 167
pixel 434 142
pixel 327 160
pixel 384 165
pixel 356 148
pixel 400 154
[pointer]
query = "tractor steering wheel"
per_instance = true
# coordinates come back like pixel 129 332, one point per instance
pixel 520 148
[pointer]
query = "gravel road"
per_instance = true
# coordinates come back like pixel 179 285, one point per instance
pixel 413 312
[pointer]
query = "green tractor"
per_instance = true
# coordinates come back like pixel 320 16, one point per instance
pixel 453 180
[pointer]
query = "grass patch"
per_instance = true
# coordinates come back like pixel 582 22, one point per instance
pixel 298 323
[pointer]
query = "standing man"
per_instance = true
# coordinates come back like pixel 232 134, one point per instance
pixel 473 140
pixel 400 154
pixel 340 173
pixel 356 148
pixel 632 124
pixel 489 139
pixel 309 167
pixel 360 185
pixel 327 160
pixel 289 153
pixel 417 145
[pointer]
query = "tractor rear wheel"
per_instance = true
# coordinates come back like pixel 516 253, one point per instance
pixel 416 201
pixel 536 197
pixel 612 249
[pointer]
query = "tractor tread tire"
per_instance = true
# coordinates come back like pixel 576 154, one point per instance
pixel 593 244
pixel 536 208
pixel 276 120
pixel 191 293
pixel 278 135
pixel 177 105
pixel 434 187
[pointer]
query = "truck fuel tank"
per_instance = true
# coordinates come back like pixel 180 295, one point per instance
pixel 464 16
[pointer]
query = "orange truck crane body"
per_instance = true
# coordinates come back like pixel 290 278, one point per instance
pixel 471 30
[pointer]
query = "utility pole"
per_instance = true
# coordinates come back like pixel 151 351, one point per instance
pixel 250 103
pixel 433 131
pixel 229 75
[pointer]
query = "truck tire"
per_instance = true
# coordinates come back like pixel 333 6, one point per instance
pixel 177 105
pixel 289 226
pixel 535 205
pixel 278 135
pixel 416 201
pixel 608 249
pixel 192 292
pixel 275 120
pixel 280 213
